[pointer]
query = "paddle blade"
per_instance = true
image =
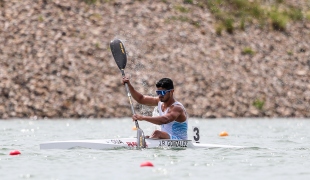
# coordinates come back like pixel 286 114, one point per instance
pixel 119 53
pixel 140 139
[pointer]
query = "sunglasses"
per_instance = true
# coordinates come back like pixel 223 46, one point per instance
pixel 162 92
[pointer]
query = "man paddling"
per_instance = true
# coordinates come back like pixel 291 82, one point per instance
pixel 172 114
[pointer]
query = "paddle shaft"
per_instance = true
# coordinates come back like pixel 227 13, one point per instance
pixel 130 100
pixel 119 54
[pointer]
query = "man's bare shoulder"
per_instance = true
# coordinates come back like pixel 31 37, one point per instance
pixel 177 107
pixel 151 100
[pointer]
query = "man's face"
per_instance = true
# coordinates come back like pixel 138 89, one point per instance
pixel 163 94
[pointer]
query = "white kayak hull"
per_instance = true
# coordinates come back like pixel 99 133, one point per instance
pixel 128 143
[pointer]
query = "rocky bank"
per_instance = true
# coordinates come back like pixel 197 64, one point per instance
pixel 55 61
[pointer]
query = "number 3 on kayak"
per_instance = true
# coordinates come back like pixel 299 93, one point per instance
pixel 196 135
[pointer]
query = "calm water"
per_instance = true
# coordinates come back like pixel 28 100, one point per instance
pixel 276 149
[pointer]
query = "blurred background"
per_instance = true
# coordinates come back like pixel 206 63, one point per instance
pixel 228 58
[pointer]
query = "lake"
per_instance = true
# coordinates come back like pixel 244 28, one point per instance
pixel 275 149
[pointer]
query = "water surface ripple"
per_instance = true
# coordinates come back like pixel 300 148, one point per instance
pixel 275 149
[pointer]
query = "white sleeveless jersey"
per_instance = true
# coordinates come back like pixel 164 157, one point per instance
pixel 175 129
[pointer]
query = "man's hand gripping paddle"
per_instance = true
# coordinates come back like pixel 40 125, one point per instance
pixel 120 57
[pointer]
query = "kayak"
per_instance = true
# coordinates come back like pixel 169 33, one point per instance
pixel 129 143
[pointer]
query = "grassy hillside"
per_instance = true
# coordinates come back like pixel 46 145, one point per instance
pixel 232 58
pixel 232 15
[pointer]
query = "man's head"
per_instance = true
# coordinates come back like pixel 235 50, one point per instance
pixel 165 83
pixel 165 89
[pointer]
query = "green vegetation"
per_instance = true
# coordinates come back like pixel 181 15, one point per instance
pixel 308 15
pixel 242 24
pixel 188 1
pixel 97 45
pixel 259 104
pixel 90 1
pixel 183 19
pixel 40 18
pixel 179 18
pixel 234 14
pixel 181 9
pixel 289 53
pixel 95 16
pixel 219 29
pixel 278 20
pixel 96 1
pixel 228 24
pixel 248 50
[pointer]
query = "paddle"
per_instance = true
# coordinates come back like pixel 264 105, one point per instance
pixel 120 57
